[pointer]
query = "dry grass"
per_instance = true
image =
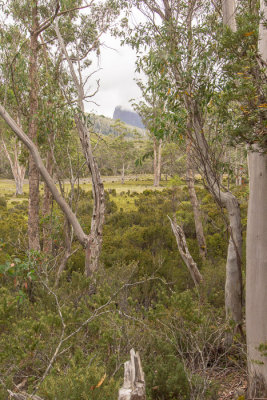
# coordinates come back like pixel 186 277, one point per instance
pixel 132 184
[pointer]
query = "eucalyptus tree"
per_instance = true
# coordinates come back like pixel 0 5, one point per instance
pixel 77 35
pixel 13 98
pixel 185 39
pixel 249 58
pixel 244 48
pixel 242 106
pixel 32 18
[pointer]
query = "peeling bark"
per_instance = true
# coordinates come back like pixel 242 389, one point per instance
pixel 185 254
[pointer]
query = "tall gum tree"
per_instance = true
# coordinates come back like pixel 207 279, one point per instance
pixel 256 242
pixel 101 17
pixel 33 214
pixel 180 44
pixel 94 245
pixel 256 275
pixel 28 16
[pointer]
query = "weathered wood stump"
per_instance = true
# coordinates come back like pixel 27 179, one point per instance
pixel 134 387
pixel 22 396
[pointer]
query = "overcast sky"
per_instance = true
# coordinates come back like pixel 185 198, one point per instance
pixel 117 85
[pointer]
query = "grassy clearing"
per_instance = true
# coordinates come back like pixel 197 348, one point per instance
pixel 133 184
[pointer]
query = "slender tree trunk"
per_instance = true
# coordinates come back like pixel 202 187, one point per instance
pixel 17 169
pixel 19 186
pixel 92 252
pixel 256 277
pixel 229 10
pixel 184 252
pixel 195 204
pixel 47 209
pixel 123 174
pixel 94 244
pixel 81 236
pixel 157 161
pixel 33 214
pixel 233 283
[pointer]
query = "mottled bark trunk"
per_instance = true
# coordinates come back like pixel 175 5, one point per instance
pixel 256 277
pixel 184 252
pixel 195 204
pixel 33 213
pixel 47 209
pixel 134 387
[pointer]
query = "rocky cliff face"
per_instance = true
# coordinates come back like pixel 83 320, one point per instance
pixel 128 116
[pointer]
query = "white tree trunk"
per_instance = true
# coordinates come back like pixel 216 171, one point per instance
pixel 229 10
pixel 94 244
pixel 18 170
pixel 134 380
pixel 256 278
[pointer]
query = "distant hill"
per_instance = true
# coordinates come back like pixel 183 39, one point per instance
pixel 128 116
pixel 107 126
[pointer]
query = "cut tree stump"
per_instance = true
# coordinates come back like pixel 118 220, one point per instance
pixel 134 387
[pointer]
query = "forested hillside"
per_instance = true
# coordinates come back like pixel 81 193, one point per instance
pixel 108 126
pixel 133 264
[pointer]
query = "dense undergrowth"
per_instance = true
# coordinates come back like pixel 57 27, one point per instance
pixel 142 298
